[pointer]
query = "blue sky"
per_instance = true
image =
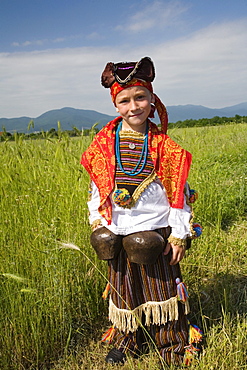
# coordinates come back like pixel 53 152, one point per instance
pixel 52 52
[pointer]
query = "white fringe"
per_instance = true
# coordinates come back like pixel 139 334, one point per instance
pixel 156 313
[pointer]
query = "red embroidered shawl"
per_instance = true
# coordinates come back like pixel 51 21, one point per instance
pixel 171 164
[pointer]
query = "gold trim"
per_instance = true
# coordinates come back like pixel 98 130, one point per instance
pixel 131 134
pixel 89 191
pixel 143 185
pixel 95 224
pixel 193 233
pixel 177 241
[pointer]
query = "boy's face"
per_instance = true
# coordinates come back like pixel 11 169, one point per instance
pixel 134 105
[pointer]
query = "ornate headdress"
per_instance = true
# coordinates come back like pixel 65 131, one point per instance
pixel 122 75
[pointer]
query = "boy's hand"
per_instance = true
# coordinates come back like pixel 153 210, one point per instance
pixel 178 253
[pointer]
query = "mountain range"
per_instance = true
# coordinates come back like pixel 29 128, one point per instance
pixel 81 118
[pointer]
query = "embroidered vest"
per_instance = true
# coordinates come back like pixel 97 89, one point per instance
pixel 171 165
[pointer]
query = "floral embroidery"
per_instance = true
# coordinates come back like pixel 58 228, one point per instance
pixel 171 165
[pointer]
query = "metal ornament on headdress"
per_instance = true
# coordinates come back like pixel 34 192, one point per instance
pixel 143 70
pixel 119 69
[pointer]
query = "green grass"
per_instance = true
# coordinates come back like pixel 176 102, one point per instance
pixel 51 311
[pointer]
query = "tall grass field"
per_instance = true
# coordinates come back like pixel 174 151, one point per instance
pixel 52 315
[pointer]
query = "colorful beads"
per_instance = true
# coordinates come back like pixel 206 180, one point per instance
pixel 193 196
pixel 197 230
pixel 143 156
pixel 121 197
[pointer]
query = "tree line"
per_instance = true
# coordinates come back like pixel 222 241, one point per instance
pixel 215 121
pixel 56 133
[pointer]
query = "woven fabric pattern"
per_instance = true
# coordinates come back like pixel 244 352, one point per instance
pixel 170 340
pixel 136 284
pixel 129 159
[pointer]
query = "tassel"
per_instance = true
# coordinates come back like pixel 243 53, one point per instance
pixel 191 351
pixel 108 336
pixel 190 354
pixel 195 334
pixel 182 293
pixel 193 195
pixel 106 291
pixel 197 230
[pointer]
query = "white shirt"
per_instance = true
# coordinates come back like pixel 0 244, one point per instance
pixel 151 211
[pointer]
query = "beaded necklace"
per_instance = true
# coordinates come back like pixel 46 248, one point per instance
pixel 143 155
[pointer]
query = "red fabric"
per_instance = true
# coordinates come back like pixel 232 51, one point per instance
pixel 171 163
pixel 162 112
pixel 116 87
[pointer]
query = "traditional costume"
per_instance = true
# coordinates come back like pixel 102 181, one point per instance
pixel 138 194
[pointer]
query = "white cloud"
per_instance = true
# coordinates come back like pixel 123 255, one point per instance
pixel 32 83
pixel 94 36
pixel 29 43
pixel 207 67
pixel 156 15
pixel 45 42
pixel 59 39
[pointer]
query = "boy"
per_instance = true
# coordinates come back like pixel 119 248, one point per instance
pixel 140 216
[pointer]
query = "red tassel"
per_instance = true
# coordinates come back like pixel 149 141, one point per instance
pixel 191 351
pixel 190 354
pixel 106 291
pixel 108 336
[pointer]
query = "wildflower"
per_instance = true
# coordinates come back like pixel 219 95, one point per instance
pixel 15 277
pixel 69 246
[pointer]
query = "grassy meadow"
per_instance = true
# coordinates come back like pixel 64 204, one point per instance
pixel 51 311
